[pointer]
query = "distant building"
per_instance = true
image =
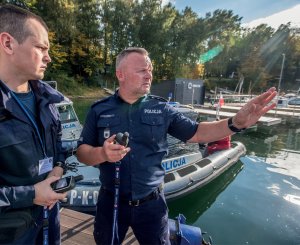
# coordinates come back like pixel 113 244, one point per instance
pixel 182 90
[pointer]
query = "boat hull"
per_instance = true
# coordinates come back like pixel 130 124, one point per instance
pixel 186 180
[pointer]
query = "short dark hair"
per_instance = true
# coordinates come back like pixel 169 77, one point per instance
pixel 13 21
pixel 123 54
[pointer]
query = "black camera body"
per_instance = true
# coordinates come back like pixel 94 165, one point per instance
pixel 122 139
pixel 66 183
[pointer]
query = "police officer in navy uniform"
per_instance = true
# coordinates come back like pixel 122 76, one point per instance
pixel 148 119
pixel 31 153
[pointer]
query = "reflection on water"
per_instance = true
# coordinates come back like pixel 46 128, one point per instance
pixel 293 199
pixel 269 188
pixel 259 205
pixel 192 206
pixel 286 162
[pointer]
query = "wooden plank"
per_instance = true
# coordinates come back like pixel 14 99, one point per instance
pixel 280 112
pixel 77 229
pixel 130 238
pixel 267 121
pixel 277 112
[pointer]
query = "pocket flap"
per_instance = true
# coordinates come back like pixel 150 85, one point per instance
pixel 152 120
pixel 108 122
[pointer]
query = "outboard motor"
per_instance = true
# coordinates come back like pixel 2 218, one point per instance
pixel 182 234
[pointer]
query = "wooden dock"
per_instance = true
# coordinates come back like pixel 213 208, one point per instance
pixel 77 229
pixel 266 121
pixel 277 112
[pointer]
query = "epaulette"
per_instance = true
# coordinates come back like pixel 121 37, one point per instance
pixel 157 98
pixel 100 101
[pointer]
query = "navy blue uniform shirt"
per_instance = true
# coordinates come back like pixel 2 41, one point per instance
pixel 147 121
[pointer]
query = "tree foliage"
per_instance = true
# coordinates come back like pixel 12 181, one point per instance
pixel 86 36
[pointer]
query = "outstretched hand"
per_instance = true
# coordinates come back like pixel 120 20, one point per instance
pixel 250 113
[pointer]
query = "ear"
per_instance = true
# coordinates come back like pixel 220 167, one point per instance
pixel 6 42
pixel 119 75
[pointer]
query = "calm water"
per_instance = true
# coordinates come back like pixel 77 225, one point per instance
pixel 257 201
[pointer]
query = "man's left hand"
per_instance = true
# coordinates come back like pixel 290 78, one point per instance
pixel 250 113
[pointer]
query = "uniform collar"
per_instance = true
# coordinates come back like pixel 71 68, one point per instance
pixel 119 98
pixel 45 91
pixel 41 90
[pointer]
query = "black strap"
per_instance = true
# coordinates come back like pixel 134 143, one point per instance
pixel 115 232
pixel 138 202
pixel 45 226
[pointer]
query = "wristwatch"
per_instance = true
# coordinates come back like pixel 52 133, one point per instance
pixel 62 165
pixel 233 128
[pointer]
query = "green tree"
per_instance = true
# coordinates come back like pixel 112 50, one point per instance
pixel 223 29
pixel 85 53
pixel 59 16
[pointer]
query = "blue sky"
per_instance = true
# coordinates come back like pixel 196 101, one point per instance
pixel 248 9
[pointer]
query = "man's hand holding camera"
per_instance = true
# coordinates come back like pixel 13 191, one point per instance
pixel 114 152
pixel 45 195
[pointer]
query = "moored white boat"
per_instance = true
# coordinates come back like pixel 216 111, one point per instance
pixel 71 127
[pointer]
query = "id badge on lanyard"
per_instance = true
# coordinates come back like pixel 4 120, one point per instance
pixel 45 165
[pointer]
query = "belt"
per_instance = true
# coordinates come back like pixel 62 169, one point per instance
pixel 153 195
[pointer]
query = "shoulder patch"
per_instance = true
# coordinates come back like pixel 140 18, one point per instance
pixel 100 101
pixel 157 98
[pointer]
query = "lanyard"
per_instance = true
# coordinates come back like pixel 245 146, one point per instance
pixel 31 120
pixel 45 226
pixel 115 232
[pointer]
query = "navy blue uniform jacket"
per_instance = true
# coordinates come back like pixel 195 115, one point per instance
pixel 20 150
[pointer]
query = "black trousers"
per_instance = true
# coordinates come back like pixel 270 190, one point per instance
pixel 149 220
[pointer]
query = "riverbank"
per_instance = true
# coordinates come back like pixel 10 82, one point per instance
pixel 87 93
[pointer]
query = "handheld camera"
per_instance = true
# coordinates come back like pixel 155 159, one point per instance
pixel 122 139
pixel 66 183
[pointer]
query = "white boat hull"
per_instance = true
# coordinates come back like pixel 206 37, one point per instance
pixel 185 180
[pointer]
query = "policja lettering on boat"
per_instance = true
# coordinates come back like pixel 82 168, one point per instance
pixel 69 125
pixel 173 164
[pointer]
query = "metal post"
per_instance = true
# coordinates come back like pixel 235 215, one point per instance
pixel 193 97
pixel 281 72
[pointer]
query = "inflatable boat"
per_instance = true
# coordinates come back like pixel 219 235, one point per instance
pixel 184 174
